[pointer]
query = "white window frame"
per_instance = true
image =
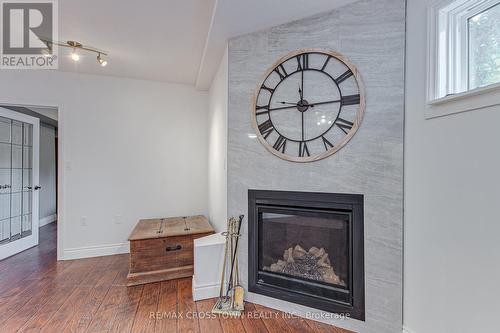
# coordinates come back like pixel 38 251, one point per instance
pixel 448 60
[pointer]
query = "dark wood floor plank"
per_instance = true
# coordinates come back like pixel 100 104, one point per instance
pixel 166 313
pixel 84 314
pixel 20 285
pixel 122 261
pixel 29 309
pixel 144 321
pixel 11 304
pixel 273 319
pixel 297 324
pixel 127 310
pixel 230 325
pixel 252 323
pixel 325 328
pixel 105 314
pixel 101 266
pixel 208 322
pixel 19 267
pixel 61 318
pixel 44 314
pixel 78 272
pixel 186 307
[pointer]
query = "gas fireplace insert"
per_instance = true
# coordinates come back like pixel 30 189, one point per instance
pixel 307 248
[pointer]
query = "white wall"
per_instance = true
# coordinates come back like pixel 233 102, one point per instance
pixel 217 147
pixel 47 174
pixel 130 149
pixel 452 248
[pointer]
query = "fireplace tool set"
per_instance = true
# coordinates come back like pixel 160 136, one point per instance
pixel 230 301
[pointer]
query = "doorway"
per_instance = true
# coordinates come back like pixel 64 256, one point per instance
pixel 19 153
pixel 28 175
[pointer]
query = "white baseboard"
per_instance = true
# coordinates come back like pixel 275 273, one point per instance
pixel 205 291
pixel 48 219
pixel 95 251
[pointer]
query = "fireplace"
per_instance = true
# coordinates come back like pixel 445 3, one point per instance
pixel 307 248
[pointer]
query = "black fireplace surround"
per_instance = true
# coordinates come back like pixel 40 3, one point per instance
pixel 307 248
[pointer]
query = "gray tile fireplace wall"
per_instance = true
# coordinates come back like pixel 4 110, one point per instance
pixel 371 34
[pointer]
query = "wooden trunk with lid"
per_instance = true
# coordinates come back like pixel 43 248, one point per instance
pixel 162 249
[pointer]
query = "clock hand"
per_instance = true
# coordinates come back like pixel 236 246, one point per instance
pixel 282 108
pixel 301 89
pixel 327 102
pixel 295 105
pixel 302 116
pixel 288 103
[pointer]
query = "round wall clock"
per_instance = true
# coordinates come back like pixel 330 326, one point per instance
pixel 309 105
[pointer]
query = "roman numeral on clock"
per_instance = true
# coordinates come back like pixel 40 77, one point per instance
pixel 271 90
pixel 303 150
pixel 280 70
pixel 347 74
pixel 280 144
pixel 350 100
pixel 327 143
pixel 262 107
pixel 302 61
pixel 266 128
pixel 326 63
pixel 344 125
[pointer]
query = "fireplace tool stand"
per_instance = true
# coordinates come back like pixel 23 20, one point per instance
pixel 230 302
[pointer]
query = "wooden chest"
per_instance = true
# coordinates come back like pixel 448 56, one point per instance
pixel 162 249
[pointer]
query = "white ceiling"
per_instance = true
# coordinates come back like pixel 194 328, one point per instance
pixel 179 41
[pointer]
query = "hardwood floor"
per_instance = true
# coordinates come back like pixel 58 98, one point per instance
pixel 39 293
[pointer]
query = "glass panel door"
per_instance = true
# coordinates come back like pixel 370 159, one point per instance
pixel 18 170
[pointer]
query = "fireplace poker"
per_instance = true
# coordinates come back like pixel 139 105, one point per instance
pixel 238 291
pixel 230 286
pixel 226 233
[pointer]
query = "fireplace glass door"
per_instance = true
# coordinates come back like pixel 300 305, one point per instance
pixel 307 250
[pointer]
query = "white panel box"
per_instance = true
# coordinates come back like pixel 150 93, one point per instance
pixel 208 261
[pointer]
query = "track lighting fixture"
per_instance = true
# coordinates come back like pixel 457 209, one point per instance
pixel 76 46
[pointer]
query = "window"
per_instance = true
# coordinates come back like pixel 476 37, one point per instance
pixel 484 47
pixel 464 48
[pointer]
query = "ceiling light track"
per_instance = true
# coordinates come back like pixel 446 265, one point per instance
pixel 77 46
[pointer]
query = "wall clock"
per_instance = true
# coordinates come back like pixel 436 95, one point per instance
pixel 309 105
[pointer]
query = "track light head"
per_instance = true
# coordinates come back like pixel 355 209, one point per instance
pixel 101 61
pixel 46 52
pixel 75 56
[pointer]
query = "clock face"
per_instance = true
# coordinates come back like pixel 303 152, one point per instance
pixel 309 105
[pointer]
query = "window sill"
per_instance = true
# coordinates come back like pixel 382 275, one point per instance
pixel 479 98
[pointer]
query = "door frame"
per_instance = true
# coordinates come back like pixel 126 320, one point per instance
pixel 11 248
pixel 60 106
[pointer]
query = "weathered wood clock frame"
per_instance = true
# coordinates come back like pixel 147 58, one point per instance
pixel 348 127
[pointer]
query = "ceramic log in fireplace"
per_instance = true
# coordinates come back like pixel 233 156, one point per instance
pixel 307 248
